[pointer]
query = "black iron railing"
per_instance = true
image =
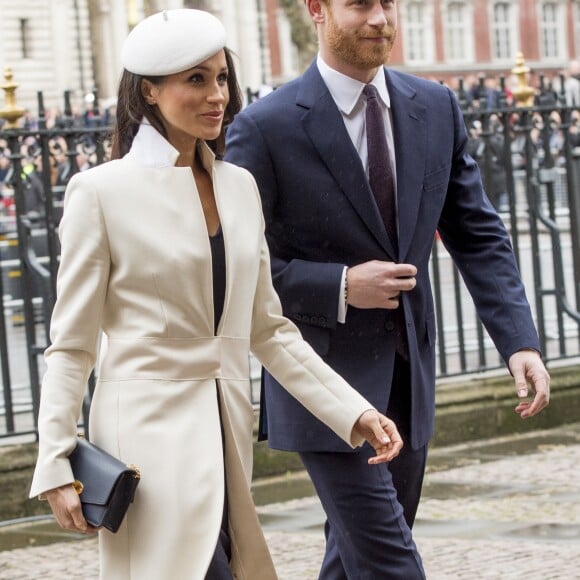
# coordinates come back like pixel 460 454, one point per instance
pixel 530 163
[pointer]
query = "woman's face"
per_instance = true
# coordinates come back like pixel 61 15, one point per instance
pixel 192 102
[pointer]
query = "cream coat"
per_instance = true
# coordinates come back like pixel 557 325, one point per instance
pixel 136 265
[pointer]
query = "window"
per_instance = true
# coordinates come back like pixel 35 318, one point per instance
pixel 502 46
pixel 418 33
pixel 24 38
pixel 577 27
pixel 551 30
pixel 458 44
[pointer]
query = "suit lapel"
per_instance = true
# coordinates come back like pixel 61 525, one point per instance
pixel 409 133
pixel 324 125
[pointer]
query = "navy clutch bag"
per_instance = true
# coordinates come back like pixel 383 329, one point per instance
pixel 106 486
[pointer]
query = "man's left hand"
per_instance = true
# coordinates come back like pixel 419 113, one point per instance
pixel 530 373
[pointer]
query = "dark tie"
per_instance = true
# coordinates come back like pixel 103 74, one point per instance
pixel 383 186
pixel 380 170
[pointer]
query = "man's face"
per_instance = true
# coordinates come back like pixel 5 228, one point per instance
pixel 357 36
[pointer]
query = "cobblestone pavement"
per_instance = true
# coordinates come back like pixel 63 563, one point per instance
pixel 507 508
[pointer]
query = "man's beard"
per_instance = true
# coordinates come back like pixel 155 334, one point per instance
pixel 355 51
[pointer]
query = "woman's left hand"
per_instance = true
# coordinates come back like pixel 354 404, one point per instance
pixel 381 433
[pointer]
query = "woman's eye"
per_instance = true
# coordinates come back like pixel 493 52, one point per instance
pixel 223 78
pixel 196 78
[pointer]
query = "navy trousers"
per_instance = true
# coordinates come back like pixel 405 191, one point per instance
pixel 219 569
pixel 370 509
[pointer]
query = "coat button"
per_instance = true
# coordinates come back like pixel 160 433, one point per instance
pixel 390 325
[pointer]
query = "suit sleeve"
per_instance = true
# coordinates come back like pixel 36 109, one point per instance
pixel 278 345
pixel 480 247
pixel 309 291
pixel 75 327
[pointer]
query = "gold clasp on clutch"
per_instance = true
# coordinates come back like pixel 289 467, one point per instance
pixel 136 470
pixel 78 486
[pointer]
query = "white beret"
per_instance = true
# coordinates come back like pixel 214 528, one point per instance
pixel 172 41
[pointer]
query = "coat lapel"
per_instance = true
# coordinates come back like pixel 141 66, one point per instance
pixel 409 133
pixel 324 126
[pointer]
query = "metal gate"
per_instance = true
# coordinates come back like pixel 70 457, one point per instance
pixel 530 162
pixel 40 160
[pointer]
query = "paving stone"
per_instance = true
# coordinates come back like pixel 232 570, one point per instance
pixel 522 521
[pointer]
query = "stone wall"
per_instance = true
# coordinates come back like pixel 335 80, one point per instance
pixel 16 465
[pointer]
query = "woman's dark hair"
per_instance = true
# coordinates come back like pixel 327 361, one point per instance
pixel 132 107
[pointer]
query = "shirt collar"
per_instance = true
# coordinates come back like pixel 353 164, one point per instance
pixel 152 149
pixel 346 91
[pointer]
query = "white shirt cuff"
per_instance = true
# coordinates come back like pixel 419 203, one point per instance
pixel 341 301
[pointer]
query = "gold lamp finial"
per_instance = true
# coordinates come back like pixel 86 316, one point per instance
pixel 11 112
pixel 523 93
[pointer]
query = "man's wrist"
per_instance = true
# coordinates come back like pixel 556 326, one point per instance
pixel 342 298
pixel 529 349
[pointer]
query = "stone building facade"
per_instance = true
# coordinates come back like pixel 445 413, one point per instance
pixel 449 38
pixel 47 44
pixel 57 45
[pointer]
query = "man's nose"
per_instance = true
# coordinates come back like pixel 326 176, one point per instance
pixel 378 14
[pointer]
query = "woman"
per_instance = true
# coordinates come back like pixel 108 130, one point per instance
pixel 163 250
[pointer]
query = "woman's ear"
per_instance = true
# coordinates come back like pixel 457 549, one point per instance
pixel 149 92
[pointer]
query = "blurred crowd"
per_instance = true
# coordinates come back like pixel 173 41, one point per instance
pixel 67 154
pixel 540 139
pixel 479 98
pixel 86 117
pixel 485 92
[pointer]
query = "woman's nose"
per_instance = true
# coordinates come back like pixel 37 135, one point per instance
pixel 218 92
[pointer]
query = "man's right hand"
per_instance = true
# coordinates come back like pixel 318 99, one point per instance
pixel 378 284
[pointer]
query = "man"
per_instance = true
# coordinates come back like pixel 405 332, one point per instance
pixel 359 292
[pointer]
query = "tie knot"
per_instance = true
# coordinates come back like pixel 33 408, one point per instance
pixel 370 92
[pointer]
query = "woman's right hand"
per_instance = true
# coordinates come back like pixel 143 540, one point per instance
pixel 381 433
pixel 66 507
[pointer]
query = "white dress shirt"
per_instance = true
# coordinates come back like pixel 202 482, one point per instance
pixel 346 93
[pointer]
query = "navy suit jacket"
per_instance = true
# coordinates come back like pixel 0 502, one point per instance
pixel 321 216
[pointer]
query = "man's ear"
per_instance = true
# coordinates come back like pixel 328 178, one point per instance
pixel 149 91
pixel 316 9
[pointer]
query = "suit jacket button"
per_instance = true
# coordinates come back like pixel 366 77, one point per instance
pixel 390 325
